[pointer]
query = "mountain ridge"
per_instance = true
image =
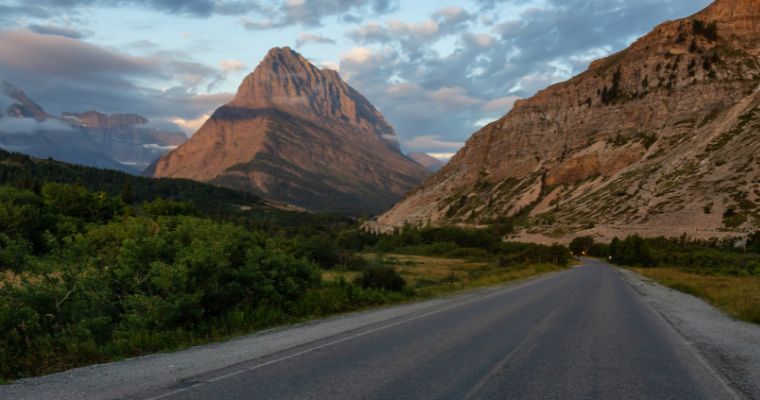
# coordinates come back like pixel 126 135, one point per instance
pixel 580 156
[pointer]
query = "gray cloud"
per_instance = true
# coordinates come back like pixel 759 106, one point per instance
pixel 448 96
pixel 65 74
pixel 306 38
pixel 49 29
pixel 311 13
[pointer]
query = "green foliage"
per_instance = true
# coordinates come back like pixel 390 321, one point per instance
pixel 515 254
pixel 77 202
pixel 613 93
pixel 25 172
pixel 753 243
pixel 160 207
pixel 709 31
pixel 701 257
pixel 142 284
pixel 381 277
pixel 582 245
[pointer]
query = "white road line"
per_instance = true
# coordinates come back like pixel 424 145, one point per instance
pixel 345 339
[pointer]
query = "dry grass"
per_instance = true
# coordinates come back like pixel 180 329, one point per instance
pixel 738 296
pixel 432 276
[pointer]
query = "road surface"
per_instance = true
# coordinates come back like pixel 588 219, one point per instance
pixel 583 333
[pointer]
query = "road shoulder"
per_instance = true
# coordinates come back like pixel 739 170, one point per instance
pixel 729 345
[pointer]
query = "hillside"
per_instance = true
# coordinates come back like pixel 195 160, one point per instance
pixel 659 139
pixel 30 173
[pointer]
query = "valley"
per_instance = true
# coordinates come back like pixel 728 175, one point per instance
pixel 285 200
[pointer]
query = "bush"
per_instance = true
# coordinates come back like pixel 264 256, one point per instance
pixel 160 207
pixel 381 278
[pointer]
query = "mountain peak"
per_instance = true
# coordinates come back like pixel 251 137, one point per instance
pixel 300 135
pixel 22 106
pixel 287 81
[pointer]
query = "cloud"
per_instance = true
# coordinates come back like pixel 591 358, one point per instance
pixel 65 74
pixel 432 142
pixel 191 125
pixel 158 147
pixel 442 156
pixel 59 30
pixel 29 126
pixel 411 36
pixel 306 38
pixel 311 13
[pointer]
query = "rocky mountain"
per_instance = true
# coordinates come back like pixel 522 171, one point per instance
pixel 300 135
pixel 426 160
pixel 662 138
pixel 19 105
pixel 123 141
pixel 127 138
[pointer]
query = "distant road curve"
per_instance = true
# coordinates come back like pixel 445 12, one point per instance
pixel 591 332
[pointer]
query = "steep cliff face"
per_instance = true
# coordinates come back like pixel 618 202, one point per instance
pixel 300 135
pixel 660 138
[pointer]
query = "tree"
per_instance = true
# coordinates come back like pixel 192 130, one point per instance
pixel 582 245
pixel 753 243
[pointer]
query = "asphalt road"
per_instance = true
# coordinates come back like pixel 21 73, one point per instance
pixel 579 334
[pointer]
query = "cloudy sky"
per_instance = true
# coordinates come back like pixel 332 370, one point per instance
pixel 437 69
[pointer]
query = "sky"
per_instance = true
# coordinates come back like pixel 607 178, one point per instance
pixel 437 69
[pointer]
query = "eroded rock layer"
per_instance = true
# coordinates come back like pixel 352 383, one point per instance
pixel 662 138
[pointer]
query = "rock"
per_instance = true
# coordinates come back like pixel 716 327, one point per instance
pixel 297 134
pixel 645 141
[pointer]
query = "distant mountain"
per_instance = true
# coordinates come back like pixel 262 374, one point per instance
pixel 426 160
pixel 300 135
pixel 121 142
pixel 126 137
pixel 661 138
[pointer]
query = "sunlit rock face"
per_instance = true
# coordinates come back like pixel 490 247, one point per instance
pixel 661 138
pixel 300 135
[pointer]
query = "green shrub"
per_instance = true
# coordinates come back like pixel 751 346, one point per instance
pixel 381 278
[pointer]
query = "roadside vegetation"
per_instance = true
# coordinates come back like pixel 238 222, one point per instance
pixel 91 276
pixel 722 272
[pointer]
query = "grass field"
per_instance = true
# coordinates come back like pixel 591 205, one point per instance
pixel 432 276
pixel 738 296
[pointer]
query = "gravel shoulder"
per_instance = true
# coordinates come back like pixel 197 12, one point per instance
pixel 732 347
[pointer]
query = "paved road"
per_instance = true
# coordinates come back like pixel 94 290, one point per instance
pixel 579 334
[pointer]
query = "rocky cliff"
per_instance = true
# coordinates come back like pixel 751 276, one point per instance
pixel 661 138
pixel 300 135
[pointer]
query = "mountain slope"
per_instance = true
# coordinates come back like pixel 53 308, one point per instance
pixel 431 163
pixel 659 139
pixel 300 135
